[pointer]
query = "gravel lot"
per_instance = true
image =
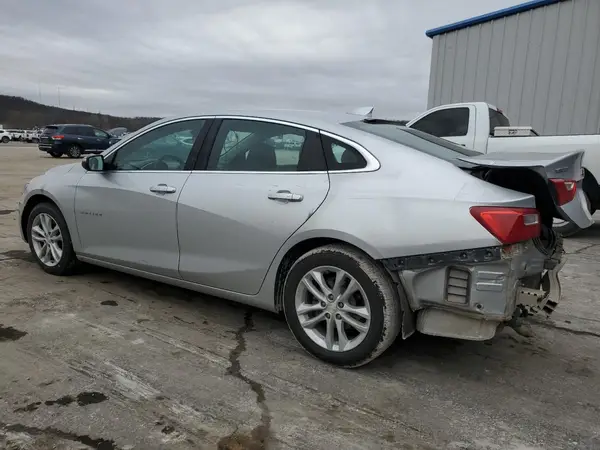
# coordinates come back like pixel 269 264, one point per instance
pixel 108 361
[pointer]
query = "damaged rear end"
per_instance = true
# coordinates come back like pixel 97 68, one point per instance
pixel 484 288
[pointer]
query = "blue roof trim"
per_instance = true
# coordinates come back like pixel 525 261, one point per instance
pixel 490 16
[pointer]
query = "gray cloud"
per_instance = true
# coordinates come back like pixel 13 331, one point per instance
pixel 165 57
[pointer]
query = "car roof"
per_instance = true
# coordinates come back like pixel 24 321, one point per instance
pixel 321 120
pixel 68 125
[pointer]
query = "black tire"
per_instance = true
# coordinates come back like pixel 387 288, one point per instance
pixel 68 260
pixel 74 151
pixel 568 229
pixel 55 154
pixel 382 295
pixel 5 139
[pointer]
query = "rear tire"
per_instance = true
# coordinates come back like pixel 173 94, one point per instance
pixel 50 241
pixel 74 151
pixel 5 139
pixel 365 322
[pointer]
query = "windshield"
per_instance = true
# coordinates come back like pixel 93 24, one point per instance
pixel 418 140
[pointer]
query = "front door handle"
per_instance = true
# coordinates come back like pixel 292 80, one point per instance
pixel 285 196
pixel 163 189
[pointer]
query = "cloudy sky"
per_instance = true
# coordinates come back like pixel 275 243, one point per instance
pixel 166 57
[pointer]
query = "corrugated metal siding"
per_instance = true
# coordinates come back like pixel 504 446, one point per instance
pixel 542 67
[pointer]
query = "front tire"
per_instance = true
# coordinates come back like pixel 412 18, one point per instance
pixel 55 154
pixel 74 151
pixel 5 139
pixel 341 306
pixel 49 240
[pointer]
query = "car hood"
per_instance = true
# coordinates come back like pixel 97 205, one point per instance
pixel 61 170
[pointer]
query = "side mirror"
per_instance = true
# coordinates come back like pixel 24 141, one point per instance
pixel 94 163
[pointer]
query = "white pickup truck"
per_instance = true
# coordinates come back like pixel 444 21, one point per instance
pixel 484 128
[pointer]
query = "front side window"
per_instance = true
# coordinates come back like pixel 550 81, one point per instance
pixel 451 122
pixel 100 133
pixel 257 146
pixel 164 148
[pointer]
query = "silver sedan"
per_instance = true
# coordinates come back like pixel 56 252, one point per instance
pixel 358 229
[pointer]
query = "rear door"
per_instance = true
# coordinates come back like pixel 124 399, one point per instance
pixel 102 139
pixel 263 180
pixel 46 136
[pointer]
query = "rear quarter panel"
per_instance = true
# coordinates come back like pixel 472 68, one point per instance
pixel 416 208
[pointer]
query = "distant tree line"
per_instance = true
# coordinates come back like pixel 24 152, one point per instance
pixel 20 113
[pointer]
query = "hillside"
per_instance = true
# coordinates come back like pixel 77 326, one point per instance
pixel 17 112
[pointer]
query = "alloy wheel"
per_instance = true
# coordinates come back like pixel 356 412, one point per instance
pixel 47 239
pixel 332 308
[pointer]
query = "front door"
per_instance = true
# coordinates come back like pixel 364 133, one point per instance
pixel 101 139
pixel 127 214
pixel 263 181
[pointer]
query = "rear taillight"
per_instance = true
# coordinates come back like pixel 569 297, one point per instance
pixel 565 190
pixel 509 225
pixel 58 137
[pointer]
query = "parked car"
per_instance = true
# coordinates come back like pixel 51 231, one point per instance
pixel 485 129
pixel 118 132
pixel 32 136
pixel 5 136
pixel 74 140
pixel 16 135
pixel 367 232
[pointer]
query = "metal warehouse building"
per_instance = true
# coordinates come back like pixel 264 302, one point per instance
pixel 538 61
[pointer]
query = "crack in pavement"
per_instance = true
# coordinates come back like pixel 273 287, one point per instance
pixel 582 249
pixel 97 444
pixel 566 329
pixel 258 437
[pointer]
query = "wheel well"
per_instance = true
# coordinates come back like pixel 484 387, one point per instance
pixel 590 186
pixel 290 258
pixel 31 203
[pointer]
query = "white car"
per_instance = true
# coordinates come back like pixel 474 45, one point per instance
pixel 5 136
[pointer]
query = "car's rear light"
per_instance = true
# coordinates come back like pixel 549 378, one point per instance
pixel 58 137
pixel 565 190
pixel 509 225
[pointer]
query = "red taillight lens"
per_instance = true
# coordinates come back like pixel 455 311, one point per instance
pixel 58 137
pixel 509 225
pixel 565 190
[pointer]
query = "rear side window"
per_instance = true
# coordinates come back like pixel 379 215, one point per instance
pixel 497 119
pixel 340 156
pixel 451 122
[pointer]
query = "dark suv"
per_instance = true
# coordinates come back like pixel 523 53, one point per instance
pixel 74 140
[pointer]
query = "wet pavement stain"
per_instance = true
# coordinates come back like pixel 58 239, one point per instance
pixel 167 430
pixel 29 408
pixel 10 333
pixel 6 212
pixel 257 438
pixel 17 254
pixel 96 444
pixel 83 399
pixel 109 303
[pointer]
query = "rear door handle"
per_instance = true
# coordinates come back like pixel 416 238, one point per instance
pixel 163 189
pixel 285 196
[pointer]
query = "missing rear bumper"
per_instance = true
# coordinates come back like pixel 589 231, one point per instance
pixel 468 294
